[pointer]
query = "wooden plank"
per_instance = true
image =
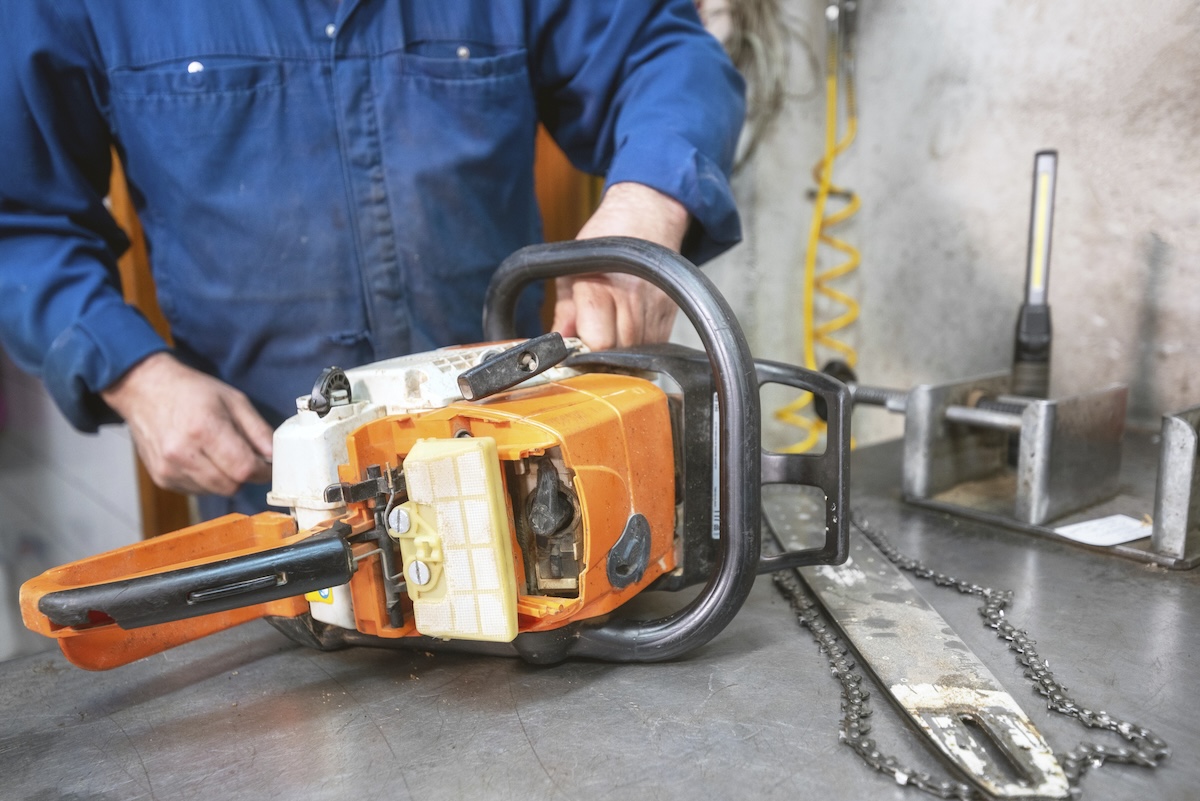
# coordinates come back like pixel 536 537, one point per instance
pixel 162 510
pixel 566 196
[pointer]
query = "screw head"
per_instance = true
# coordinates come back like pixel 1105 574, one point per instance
pixel 399 521
pixel 419 573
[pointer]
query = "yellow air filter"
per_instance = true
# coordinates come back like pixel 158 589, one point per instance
pixel 455 543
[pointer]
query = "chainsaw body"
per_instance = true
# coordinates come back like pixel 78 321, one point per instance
pixel 519 521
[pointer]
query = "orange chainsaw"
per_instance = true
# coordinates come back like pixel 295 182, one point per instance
pixel 505 498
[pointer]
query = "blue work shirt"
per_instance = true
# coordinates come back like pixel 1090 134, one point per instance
pixel 321 183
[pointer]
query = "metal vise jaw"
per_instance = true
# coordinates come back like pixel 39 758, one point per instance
pixel 956 454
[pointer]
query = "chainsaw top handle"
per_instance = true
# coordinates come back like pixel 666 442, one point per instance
pixel 737 394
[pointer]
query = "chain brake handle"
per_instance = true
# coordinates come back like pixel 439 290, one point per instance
pixel 743 463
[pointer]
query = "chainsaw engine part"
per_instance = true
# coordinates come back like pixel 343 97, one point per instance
pixel 549 530
pixel 517 522
pixel 728 408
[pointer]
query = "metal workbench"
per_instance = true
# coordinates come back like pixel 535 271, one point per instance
pixel 247 714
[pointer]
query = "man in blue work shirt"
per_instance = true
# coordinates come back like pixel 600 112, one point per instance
pixel 327 183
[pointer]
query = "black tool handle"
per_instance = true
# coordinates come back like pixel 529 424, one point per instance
pixel 737 394
pixel 510 367
pixel 316 563
pixel 829 470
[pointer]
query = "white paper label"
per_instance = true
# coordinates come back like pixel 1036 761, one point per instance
pixel 1106 531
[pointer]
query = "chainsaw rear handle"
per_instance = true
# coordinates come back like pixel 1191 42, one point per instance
pixel 737 394
pixel 321 561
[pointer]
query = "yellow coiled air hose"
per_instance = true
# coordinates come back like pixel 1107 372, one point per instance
pixel 825 335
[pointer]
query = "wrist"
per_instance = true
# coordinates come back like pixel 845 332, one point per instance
pixel 145 372
pixel 633 209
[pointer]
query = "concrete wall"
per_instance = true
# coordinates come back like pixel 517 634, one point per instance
pixel 955 98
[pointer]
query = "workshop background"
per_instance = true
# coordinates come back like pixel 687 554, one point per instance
pixel 954 99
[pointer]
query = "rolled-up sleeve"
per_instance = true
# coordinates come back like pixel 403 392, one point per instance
pixel 639 91
pixel 62 315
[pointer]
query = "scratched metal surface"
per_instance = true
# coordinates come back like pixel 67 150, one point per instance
pixel 246 714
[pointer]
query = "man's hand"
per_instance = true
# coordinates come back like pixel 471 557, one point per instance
pixel 193 432
pixel 614 309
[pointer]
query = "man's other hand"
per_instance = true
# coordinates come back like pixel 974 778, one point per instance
pixel 608 310
pixel 193 432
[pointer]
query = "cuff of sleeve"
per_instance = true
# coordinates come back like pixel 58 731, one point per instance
pixel 675 167
pixel 82 361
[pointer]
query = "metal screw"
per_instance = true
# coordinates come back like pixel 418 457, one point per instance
pixel 527 361
pixel 399 521
pixel 419 573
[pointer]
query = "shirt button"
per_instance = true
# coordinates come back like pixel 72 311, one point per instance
pixel 464 52
pixel 331 30
pixel 195 73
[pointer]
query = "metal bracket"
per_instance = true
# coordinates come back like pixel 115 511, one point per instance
pixel 1068 466
pixel 379 481
pixel 1176 530
pixel 938 455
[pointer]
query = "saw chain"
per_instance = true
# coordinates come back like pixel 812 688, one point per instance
pixel 1144 748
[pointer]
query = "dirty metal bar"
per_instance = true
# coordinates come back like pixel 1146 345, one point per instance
pixel 1002 413
pixel 984 418
pixel 892 399
pixel 931 674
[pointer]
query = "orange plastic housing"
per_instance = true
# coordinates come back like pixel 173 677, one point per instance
pixel 613 433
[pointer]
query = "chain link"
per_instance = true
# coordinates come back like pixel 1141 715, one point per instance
pixel 1146 748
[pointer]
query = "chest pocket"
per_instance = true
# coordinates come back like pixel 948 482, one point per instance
pixel 196 78
pixel 245 203
pixel 223 151
pixel 238 162
pixel 465 95
pixel 466 111
pixel 456 61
